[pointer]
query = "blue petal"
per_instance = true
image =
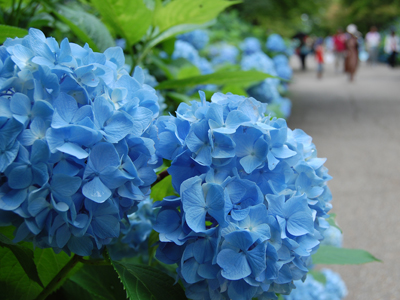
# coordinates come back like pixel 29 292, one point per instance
pixel 106 226
pixel 20 177
pixel 13 199
pixel 65 185
pixel 300 223
pixel 118 126
pixel 82 246
pixel 73 149
pixel 189 271
pixel 62 236
pixel 234 265
pixel 96 190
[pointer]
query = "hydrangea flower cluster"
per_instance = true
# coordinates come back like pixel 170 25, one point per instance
pixel 134 236
pixel 282 66
pixel 222 53
pixel 187 51
pixel 275 43
pixel 252 199
pixel 250 45
pixel 266 91
pixel 333 237
pixel 311 289
pixel 197 38
pixel 76 139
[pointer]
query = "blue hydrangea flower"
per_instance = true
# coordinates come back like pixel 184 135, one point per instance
pixel 222 53
pixel 282 66
pixel 187 51
pixel 252 199
pixel 135 233
pixel 250 45
pixel 275 43
pixel 333 237
pixel 310 289
pixel 197 38
pixel 77 140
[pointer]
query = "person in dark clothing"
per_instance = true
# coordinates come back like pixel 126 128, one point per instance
pixel 302 52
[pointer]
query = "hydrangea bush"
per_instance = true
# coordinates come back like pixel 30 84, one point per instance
pixel 252 199
pixel 77 142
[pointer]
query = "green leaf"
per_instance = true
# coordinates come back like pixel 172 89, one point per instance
pixel 100 281
pixel 188 71
pixel 129 18
pixel 71 290
pixel 178 97
pixel 329 255
pixel 162 189
pixel 332 221
pixel 178 29
pixel 220 78
pixel 15 284
pixel 145 282
pixel 24 256
pixel 152 243
pixel 188 12
pixel 87 27
pixel 318 276
pixel 11 32
pixel 234 89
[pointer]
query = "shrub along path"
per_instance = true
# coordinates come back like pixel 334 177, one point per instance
pixel 356 126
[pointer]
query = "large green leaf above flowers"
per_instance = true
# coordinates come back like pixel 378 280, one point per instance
pixel 188 12
pixel 220 78
pixel 129 18
pixel 11 32
pixel 87 27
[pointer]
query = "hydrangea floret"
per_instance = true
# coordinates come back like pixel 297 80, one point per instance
pixel 267 91
pixel 223 53
pixel 250 45
pixel 197 38
pixel 275 43
pixel 311 289
pixel 252 199
pixel 77 142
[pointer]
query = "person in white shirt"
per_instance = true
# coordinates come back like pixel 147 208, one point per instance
pixel 392 48
pixel 372 40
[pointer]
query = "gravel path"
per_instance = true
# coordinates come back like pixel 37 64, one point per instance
pixel 355 125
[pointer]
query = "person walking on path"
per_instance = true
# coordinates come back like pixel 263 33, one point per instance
pixel 319 56
pixel 339 50
pixel 372 41
pixel 302 51
pixel 351 61
pixel 392 48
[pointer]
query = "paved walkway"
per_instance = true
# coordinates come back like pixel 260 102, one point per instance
pixel 356 126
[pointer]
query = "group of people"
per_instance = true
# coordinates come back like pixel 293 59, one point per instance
pixel 348 48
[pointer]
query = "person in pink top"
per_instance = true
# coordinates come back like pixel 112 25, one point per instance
pixel 339 42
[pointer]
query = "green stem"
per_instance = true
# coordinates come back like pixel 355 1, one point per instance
pixel 93 262
pixel 132 54
pixel 58 278
pixel 160 177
